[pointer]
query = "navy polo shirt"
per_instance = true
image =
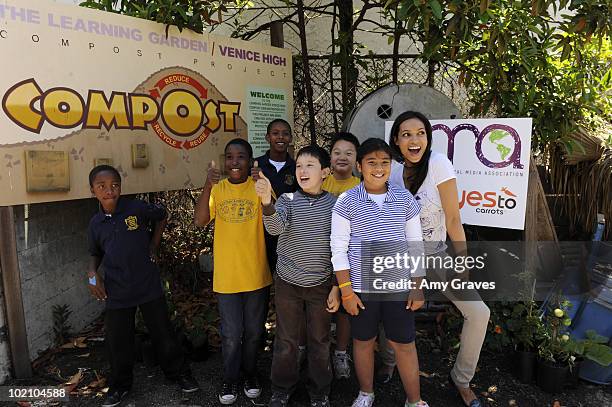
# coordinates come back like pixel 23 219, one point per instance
pixel 122 241
pixel 282 181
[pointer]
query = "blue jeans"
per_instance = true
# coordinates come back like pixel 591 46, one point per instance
pixel 243 318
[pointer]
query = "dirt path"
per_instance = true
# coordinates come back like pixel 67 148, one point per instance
pixel 493 380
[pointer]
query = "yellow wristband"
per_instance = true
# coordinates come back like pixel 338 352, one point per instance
pixel 345 284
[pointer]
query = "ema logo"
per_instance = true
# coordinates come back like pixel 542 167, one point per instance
pixel 489 202
pixel 503 140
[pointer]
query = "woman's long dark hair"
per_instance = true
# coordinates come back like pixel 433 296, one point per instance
pixel 421 167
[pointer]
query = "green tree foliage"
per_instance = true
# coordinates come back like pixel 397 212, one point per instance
pixel 193 14
pixel 549 60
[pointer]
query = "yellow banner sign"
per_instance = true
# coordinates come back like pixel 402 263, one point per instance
pixel 97 87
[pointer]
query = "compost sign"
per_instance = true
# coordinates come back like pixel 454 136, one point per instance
pixel 491 160
pixel 81 87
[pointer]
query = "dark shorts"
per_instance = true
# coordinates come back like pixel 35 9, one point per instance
pixel 396 319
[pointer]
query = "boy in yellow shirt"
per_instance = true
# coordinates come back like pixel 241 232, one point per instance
pixel 241 276
pixel 343 154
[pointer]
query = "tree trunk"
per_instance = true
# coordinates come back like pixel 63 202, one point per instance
pixel 306 67
pixel 397 33
pixel 348 72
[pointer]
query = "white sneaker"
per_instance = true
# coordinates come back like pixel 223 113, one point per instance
pixel 419 403
pixel 228 394
pixel 364 400
pixel 342 369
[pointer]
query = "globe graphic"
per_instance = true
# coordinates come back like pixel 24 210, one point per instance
pixel 499 141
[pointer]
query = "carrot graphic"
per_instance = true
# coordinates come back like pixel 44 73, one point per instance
pixel 508 192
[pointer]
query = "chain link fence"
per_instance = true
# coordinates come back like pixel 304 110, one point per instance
pixel 373 72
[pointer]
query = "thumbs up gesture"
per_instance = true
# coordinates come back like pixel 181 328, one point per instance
pixel 255 170
pixel 214 175
pixel 263 188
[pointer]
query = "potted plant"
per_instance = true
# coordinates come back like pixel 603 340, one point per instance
pixel 557 358
pixel 525 326
pixel 597 354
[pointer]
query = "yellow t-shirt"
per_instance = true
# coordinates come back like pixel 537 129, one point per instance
pixel 239 249
pixel 336 187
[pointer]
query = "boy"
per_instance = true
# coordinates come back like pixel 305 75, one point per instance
pixel 120 244
pixel 241 275
pixel 343 157
pixel 278 166
pixel 302 220
pixel 343 153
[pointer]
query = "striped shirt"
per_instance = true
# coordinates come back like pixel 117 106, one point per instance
pixel 303 224
pixel 360 228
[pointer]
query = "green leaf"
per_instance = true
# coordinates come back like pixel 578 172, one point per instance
pixel 521 103
pixel 567 49
pixel 606 79
pixel 426 18
pixel 598 353
pixel 592 335
pixel 182 13
pixel 403 10
pixel 412 21
pixel 436 9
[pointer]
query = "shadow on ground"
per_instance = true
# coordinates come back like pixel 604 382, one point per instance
pixel 493 382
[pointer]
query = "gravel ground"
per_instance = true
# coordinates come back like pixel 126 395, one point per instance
pixel 493 381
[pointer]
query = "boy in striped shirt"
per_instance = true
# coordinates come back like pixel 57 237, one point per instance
pixel 303 284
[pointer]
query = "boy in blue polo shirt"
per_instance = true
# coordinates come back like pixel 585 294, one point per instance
pixel 121 246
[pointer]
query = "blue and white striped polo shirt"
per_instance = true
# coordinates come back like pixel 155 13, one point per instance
pixel 374 231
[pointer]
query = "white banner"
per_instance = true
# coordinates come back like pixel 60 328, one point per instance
pixel 491 159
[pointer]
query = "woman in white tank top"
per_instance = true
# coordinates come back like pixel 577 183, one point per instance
pixel 430 177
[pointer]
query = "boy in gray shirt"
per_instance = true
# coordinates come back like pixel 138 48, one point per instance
pixel 303 283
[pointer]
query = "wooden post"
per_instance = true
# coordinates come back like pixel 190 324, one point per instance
pixel 542 251
pixel 277 37
pixel 538 220
pixel 11 280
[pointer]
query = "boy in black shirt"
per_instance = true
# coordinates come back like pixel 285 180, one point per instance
pixel 278 167
pixel 120 245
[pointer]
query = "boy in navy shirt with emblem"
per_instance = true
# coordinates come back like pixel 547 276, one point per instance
pixel 121 246
pixel 278 167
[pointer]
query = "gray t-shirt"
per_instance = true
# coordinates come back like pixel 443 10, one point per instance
pixel 303 224
pixel 432 214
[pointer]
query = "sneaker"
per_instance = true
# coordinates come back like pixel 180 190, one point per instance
pixel 252 389
pixel 364 400
pixel 419 403
pixel 114 397
pixel 342 369
pixel 187 383
pixel 228 394
pixel 319 402
pixel 279 399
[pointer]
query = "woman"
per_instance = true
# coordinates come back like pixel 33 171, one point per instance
pixel 430 177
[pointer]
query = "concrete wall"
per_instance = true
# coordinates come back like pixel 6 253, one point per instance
pixel 52 252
